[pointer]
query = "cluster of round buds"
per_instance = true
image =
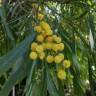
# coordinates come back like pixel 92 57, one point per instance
pixel 49 47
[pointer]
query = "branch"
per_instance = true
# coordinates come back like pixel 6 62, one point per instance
pixel 58 1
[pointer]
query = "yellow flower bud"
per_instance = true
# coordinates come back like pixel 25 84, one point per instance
pixel 40 8
pixel 58 59
pixel 33 55
pixel 42 55
pixel 48 45
pixel 44 33
pixel 61 46
pixel 61 74
pixel 40 38
pixel 49 32
pixel 56 39
pixel 39 48
pixel 33 46
pixel 45 25
pixel 49 39
pixel 50 59
pixel 38 29
pixel 55 47
pixel 61 55
pixel 40 16
pixel 44 45
pixel 66 63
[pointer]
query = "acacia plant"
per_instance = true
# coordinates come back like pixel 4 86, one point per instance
pixel 47 47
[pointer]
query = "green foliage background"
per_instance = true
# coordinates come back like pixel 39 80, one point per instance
pixel 74 21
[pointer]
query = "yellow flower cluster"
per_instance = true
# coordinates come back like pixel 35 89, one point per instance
pixel 37 51
pixel 49 47
pixel 61 72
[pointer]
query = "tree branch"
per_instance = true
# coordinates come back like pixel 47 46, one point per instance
pixel 58 1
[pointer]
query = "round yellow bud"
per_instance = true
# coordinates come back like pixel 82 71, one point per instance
pixel 61 55
pixel 58 59
pixel 49 39
pixel 44 33
pixel 33 46
pixel 42 55
pixel 39 8
pixel 57 39
pixel 61 74
pixel 33 55
pixel 40 38
pixel 54 37
pixel 46 28
pixel 39 48
pixel 45 25
pixel 48 45
pixel 44 45
pixel 40 16
pixel 66 63
pixel 55 47
pixel 50 59
pixel 61 46
pixel 38 29
pixel 49 32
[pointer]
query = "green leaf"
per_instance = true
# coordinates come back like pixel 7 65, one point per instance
pixel 9 59
pixel 29 83
pixel 78 88
pixel 77 83
pixel 5 24
pixel 91 30
pixel 50 84
pixel 18 73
